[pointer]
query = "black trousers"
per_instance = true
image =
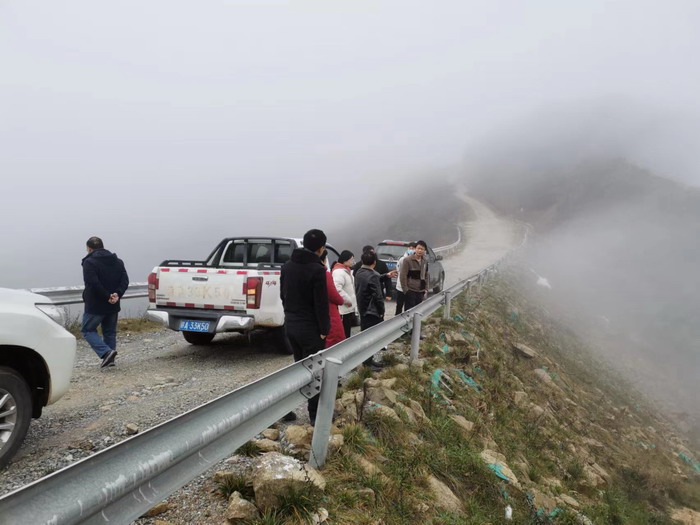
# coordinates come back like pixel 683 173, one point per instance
pixel 347 323
pixel 400 299
pixel 413 298
pixel 305 341
pixel 368 321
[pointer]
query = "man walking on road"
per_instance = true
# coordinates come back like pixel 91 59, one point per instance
pixel 370 300
pixel 304 294
pixel 414 276
pixel 106 282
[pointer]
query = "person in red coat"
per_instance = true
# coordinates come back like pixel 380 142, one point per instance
pixel 337 332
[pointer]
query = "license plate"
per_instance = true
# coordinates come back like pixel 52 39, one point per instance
pixel 194 326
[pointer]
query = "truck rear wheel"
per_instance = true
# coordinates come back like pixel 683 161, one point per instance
pixel 198 338
pixel 15 413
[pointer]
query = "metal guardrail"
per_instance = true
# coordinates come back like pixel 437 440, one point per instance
pixel 446 250
pixel 65 295
pixel 121 483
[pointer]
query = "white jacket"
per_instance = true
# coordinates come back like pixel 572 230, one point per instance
pixel 398 269
pixel 345 284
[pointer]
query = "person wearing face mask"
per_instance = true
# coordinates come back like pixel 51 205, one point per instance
pixel 414 276
pixel 400 296
pixel 345 285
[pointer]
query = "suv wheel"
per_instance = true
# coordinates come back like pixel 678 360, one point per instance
pixel 198 338
pixel 15 412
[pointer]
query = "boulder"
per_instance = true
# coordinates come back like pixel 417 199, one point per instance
pixel 544 377
pixel 418 411
pixel 543 501
pixel 267 445
pixel 240 510
pixel 275 474
pixel 592 477
pixel 384 412
pixel 371 382
pixel 455 339
pixel 520 398
pixel 381 395
pixel 492 457
pixel 348 406
pixel 131 429
pixel 402 409
pixel 686 516
pixel 536 411
pixel 318 517
pixel 161 508
pixel 271 433
pixel 466 426
pixel 524 351
pixel 443 495
pixel 299 436
pixel 335 443
pixel 567 501
pixel 368 467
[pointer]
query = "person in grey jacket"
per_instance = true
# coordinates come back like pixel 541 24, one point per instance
pixel 370 299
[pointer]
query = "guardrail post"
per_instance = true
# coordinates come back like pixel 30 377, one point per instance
pixel 448 303
pixel 324 416
pixel 415 336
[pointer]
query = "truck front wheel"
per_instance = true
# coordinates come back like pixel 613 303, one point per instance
pixel 15 412
pixel 198 338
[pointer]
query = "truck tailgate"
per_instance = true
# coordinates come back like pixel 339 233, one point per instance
pixel 211 288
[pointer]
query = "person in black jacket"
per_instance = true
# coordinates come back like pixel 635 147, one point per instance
pixel 106 282
pixel 382 269
pixel 370 300
pixel 304 295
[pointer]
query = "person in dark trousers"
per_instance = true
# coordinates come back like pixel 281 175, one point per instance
pixel 370 300
pixel 400 295
pixel 414 276
pixel 304 293
pixel 382 269
pixel 106 281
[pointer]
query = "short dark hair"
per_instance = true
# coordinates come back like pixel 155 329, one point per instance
pixel 412 244
pixel 314 239
pixel 367 248
pixel 422 243
pixel 95 243
pixel 369 258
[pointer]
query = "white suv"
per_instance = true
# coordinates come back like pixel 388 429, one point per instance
pixel 36 363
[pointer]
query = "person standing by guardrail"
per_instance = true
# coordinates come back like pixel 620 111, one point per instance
pixel 415 277
pixel 304 294
pixel 400 295
pixel 106 281
pixel 370 300
pixel 382 269
pixel 344 282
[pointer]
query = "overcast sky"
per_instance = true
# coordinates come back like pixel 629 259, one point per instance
pixel 163 126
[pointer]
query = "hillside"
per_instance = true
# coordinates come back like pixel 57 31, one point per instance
pixel 619 247
pixel 506 408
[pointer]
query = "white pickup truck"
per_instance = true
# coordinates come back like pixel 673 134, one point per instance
pixel 236 289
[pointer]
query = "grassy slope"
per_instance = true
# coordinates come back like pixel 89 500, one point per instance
pixel 590 416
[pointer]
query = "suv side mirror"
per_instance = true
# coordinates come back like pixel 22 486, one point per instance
pixel 438 257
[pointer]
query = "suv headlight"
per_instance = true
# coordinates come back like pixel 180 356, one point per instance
pixel 54 312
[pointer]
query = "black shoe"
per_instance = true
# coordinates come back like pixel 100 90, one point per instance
pixel 108 360
pixel 289 416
